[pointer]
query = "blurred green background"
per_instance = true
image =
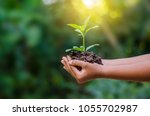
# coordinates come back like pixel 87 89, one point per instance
pixel 34 36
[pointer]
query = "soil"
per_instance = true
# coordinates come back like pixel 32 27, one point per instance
pixel 86 56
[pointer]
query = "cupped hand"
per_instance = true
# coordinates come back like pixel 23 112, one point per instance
pixel 88 71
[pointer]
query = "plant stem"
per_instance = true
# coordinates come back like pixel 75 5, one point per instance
pixel 84 43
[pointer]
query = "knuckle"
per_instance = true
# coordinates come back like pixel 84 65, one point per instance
pixel 73 61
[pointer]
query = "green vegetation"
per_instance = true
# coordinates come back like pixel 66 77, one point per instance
pixel 82 31
pixel 33 38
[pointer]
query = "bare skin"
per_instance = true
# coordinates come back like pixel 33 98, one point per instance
pixel 133 69
pixel 125 61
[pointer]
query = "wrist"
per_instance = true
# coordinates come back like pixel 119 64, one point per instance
pixel 105 71
pixel 101 71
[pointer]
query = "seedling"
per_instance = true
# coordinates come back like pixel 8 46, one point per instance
pixel 82 53
pixel 82 30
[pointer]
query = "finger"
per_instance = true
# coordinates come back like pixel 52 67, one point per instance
pixel 72 68
pixel 75 70
pixel 69 58
pixel 65 61
pixel 68 67
pixel 62 61
pixel 77 73
pixel 77 63
pixel 65 65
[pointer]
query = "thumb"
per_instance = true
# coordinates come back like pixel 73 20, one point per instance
pixel 77 63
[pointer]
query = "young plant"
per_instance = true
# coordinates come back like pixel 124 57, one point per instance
pixel 82 30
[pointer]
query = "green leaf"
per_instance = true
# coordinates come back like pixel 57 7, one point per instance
pixel 79 31
pixel 68 50
pixel 74 26
pixel 81 47
pixel 86 22
pixel 87 30
pixel 77 48
pixel 91 46
pixel 83 28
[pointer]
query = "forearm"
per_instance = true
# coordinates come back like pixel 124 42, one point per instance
pixel 134 72
pixel 126 61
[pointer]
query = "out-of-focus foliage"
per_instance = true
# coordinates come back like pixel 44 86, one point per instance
pixel 34 36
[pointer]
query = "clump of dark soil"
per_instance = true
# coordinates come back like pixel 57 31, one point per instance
pixel 86 56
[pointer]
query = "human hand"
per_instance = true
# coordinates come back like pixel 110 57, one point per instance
pixel 88 71
pixel 134 69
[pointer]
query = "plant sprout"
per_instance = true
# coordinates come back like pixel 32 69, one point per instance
pixel 82 31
